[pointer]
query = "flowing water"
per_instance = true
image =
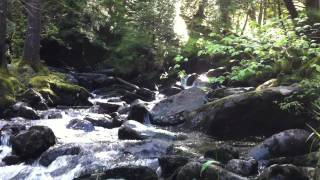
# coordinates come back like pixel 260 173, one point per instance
pixel 101 149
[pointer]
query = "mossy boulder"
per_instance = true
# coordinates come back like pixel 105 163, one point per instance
pixel 246 114
pixel 9 86
pixel 55 88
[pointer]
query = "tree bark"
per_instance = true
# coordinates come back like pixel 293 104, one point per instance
pixel 291 8
pixel 31 53
pixel 3 33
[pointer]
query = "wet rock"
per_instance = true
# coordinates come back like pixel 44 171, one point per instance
pixel 135 130
pixel 242 115
pixel 170 91
pixel 222 153
pixel 108 107
pixel 217 172
pixel 191 78
pixel 169 164
pixel 104 121
pixel 80 124
pixel 11 160
pixel 139 112
pixel 168 111
pixel 94 80
pixel 307 160
pixel 53 153
pixel 189 171
pixel 243 167
pixel 131 173
pixel 21 109
pixel 51 114
pixel 224 92
pixel 33 142
pixel 12 129
pixel 34 99
pixel 283 172
pixel 287 143
pixel 216 72
pixel 268 84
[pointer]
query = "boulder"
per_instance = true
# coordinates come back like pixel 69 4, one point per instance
pixel 291 142
pixel 135 130
pixel 283 172
pixel 34 99
pixel 169 111
pixel 222 153
pixel 53 153
pixel 139 112
pixel 104 121
pixel 243 167
pixel 108 107
pixel 170 163
pixel 246 114
pixel 21 109
pixel 307 160
pixel 80 124
pixel 32 143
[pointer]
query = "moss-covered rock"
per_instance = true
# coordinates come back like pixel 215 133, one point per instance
pixel 9 87
pixel 58 91
pixel 251 113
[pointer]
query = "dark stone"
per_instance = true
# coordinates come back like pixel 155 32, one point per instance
pixel 131 173
pixel 102 121
pixel 33 142
pixel 53 153
pixel 11 160
pixel 171 91
pixel 307 160
pixel 243 167
pixel 222 153
pixel 283 172
pixel 247 114
pixel 139 112
pixel 80 124
pixel 169 164
pixel 292 142
pixel 34 99
pixel 21 109
pixel 13 129
pixel 191 78
pixel 109 107
pixel 189 171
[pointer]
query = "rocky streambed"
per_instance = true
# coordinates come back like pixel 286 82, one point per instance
pixel 179 133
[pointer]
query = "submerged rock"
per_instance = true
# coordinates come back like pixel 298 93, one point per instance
pixel 287 143
pixel 169 111
pixel 283 172
pixel 33 142
pixel 104 121
pixel 251 113
pixel 53 153
pixel 135 130
pixel 80 124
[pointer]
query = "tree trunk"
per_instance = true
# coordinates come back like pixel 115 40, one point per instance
pixel 313 10
pixel 31 53
pixel 291 8
pixel 3 33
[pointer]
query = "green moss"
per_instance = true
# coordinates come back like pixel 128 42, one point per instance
pixel 9 87
pixel 45 83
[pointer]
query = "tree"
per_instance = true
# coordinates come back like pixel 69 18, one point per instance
pixel 291 8
pixel 3 32
pixel 31 54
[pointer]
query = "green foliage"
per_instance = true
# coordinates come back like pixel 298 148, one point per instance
pixel 9 88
